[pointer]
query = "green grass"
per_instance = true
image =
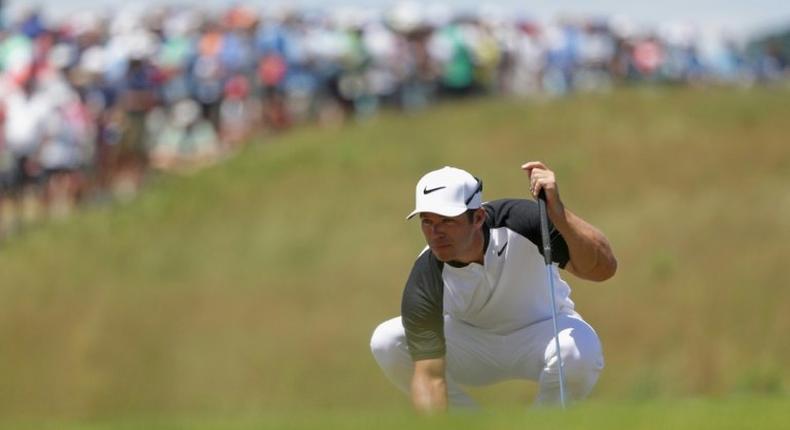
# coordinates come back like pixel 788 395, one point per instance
pixel 718 414
pixel 251 288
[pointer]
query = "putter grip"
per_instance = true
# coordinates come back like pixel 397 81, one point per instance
pixel 544 227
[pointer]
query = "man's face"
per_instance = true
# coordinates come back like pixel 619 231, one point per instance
pixel 450 238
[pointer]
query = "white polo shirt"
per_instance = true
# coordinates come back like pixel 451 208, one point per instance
pixel 509 291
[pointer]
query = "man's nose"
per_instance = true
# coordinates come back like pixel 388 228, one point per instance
pixel 436 230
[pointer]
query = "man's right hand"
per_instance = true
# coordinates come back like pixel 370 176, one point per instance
pixel 429 386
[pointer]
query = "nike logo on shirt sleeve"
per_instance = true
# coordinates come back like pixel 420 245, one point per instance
pixel 499 253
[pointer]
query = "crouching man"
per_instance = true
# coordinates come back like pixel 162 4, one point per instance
pixel 476 308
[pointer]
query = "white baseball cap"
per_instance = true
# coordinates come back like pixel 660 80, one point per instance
pixel 448 191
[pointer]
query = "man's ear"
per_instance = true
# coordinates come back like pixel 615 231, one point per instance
pixel 480 217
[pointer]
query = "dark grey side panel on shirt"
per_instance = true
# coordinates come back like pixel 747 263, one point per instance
pixel 422 308
pixel 523 217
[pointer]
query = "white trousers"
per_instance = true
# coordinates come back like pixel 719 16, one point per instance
pixel 475 357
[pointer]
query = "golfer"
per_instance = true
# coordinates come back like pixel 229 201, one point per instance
pixel 476 308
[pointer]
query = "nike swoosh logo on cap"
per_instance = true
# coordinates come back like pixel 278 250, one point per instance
pixel 427 191
pixel 499 253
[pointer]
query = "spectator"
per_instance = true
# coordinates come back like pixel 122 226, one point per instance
pixel 27 109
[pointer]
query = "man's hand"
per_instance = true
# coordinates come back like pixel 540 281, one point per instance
pixel 591 255
pixel 429 386
pixel 541 178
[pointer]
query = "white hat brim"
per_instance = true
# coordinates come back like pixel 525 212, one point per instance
pixel 450 211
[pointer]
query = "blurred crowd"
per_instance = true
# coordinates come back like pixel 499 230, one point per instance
pixel 93 103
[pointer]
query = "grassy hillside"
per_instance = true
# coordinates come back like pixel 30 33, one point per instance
pixel 253 287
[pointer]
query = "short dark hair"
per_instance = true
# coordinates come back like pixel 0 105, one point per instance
pixel 470 214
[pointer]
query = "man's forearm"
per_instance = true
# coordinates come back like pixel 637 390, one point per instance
pixel 591 255
pixel 429 395
pixel 429 386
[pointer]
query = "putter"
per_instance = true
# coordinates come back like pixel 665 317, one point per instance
pixel 544 232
